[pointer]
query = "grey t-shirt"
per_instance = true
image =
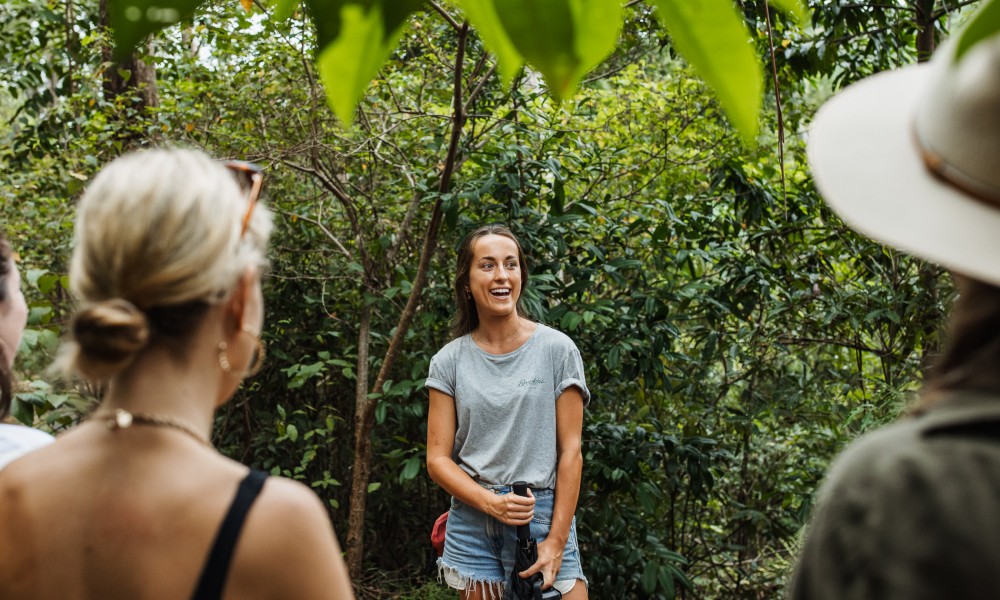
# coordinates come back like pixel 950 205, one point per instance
pixel 505 404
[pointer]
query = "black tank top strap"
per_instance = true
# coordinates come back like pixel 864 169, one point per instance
pixel 213 575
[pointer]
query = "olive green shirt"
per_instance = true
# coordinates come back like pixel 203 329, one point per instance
pixel 911 511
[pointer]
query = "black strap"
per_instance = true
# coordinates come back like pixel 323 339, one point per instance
pixel 213 576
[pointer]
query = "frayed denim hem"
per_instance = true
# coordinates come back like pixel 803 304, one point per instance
pixel 450 576
pixel 454 579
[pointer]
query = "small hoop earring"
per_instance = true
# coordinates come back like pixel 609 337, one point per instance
pixel 260 353
pixel 224 363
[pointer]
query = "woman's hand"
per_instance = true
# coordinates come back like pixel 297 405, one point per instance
pixel 550 556
pixel 512 509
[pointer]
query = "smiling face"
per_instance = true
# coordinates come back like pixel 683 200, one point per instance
pixel 495 276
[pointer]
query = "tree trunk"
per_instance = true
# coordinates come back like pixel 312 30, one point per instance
pixel 364 419
pixel 925 29
pixel 131 75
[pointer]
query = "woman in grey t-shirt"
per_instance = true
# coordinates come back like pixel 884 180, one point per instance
pixel 506 404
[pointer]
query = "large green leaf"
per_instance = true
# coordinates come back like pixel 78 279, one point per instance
pixel 284 8
pixel 328 17
pixel 354 38
pixel 598 24
pixel 133 20
pixel 563 39
pixel 984 24
pixel 543 33
pixel 793 7
pixel 483 16
pixel 712 37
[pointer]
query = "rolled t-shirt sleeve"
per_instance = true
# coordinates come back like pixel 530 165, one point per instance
pixel 570 370
pixel 441 374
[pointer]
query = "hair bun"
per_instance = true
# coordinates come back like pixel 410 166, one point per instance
pixel 108 335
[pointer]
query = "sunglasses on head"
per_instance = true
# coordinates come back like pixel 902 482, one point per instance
pixel 250 178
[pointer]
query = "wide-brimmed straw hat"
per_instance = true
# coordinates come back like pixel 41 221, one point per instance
pixel 912 158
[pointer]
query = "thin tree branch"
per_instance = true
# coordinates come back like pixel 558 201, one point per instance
pixel 458 116
pixel 326 179
pixel 806 341
pixel 777 107
pixel 329 235
pixel 479 87
pixel 447 17
pixel 430 239
pixel 950 9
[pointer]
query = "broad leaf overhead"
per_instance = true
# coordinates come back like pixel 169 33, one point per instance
pixel 133 20
pixel 483 15
pixel 353 39
pixel 712 37
pixel 284 8
pixel 795 8
pixel 563 39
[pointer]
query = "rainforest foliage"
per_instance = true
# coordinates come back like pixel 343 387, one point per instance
pixel 736 334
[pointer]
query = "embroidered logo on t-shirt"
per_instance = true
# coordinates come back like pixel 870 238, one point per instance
pixel 530 382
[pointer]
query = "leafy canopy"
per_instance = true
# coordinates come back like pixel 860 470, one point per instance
pixel 562 39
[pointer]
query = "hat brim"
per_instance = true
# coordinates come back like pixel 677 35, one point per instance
pixel 867 166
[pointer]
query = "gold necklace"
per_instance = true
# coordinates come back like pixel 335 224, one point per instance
pixel 123 419
pixel 502 342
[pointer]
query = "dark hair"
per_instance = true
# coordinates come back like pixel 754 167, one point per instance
pixel 6 376
pixel 971 357
pixel 467 318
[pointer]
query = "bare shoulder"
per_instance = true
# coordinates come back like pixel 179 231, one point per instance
pixel 281 495
pixel 18 568
pixel 291 516
pixel 291 521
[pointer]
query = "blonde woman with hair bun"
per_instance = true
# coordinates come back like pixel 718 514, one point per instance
pixel 135 502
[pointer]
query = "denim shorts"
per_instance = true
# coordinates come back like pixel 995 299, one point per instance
pixel 480 549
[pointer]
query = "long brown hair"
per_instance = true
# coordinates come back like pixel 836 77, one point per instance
pixel 467 318
pixel 6 376
pixel 971 357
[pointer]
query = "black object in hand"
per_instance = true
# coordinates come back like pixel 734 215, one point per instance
pixel 525 555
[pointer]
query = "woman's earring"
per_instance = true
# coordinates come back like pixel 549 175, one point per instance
pixel 260 353
pixel 224 363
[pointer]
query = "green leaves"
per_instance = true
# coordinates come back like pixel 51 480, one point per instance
pixel 354 38
pixel 483 14
pixel 712 37
pixel 563 39
pixel 133 20
pixel 284 8
pixel 984 24
pixel 793 7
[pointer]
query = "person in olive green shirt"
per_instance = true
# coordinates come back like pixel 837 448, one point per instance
pixel 912 511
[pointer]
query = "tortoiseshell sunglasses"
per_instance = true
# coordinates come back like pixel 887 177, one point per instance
pixel 250 178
